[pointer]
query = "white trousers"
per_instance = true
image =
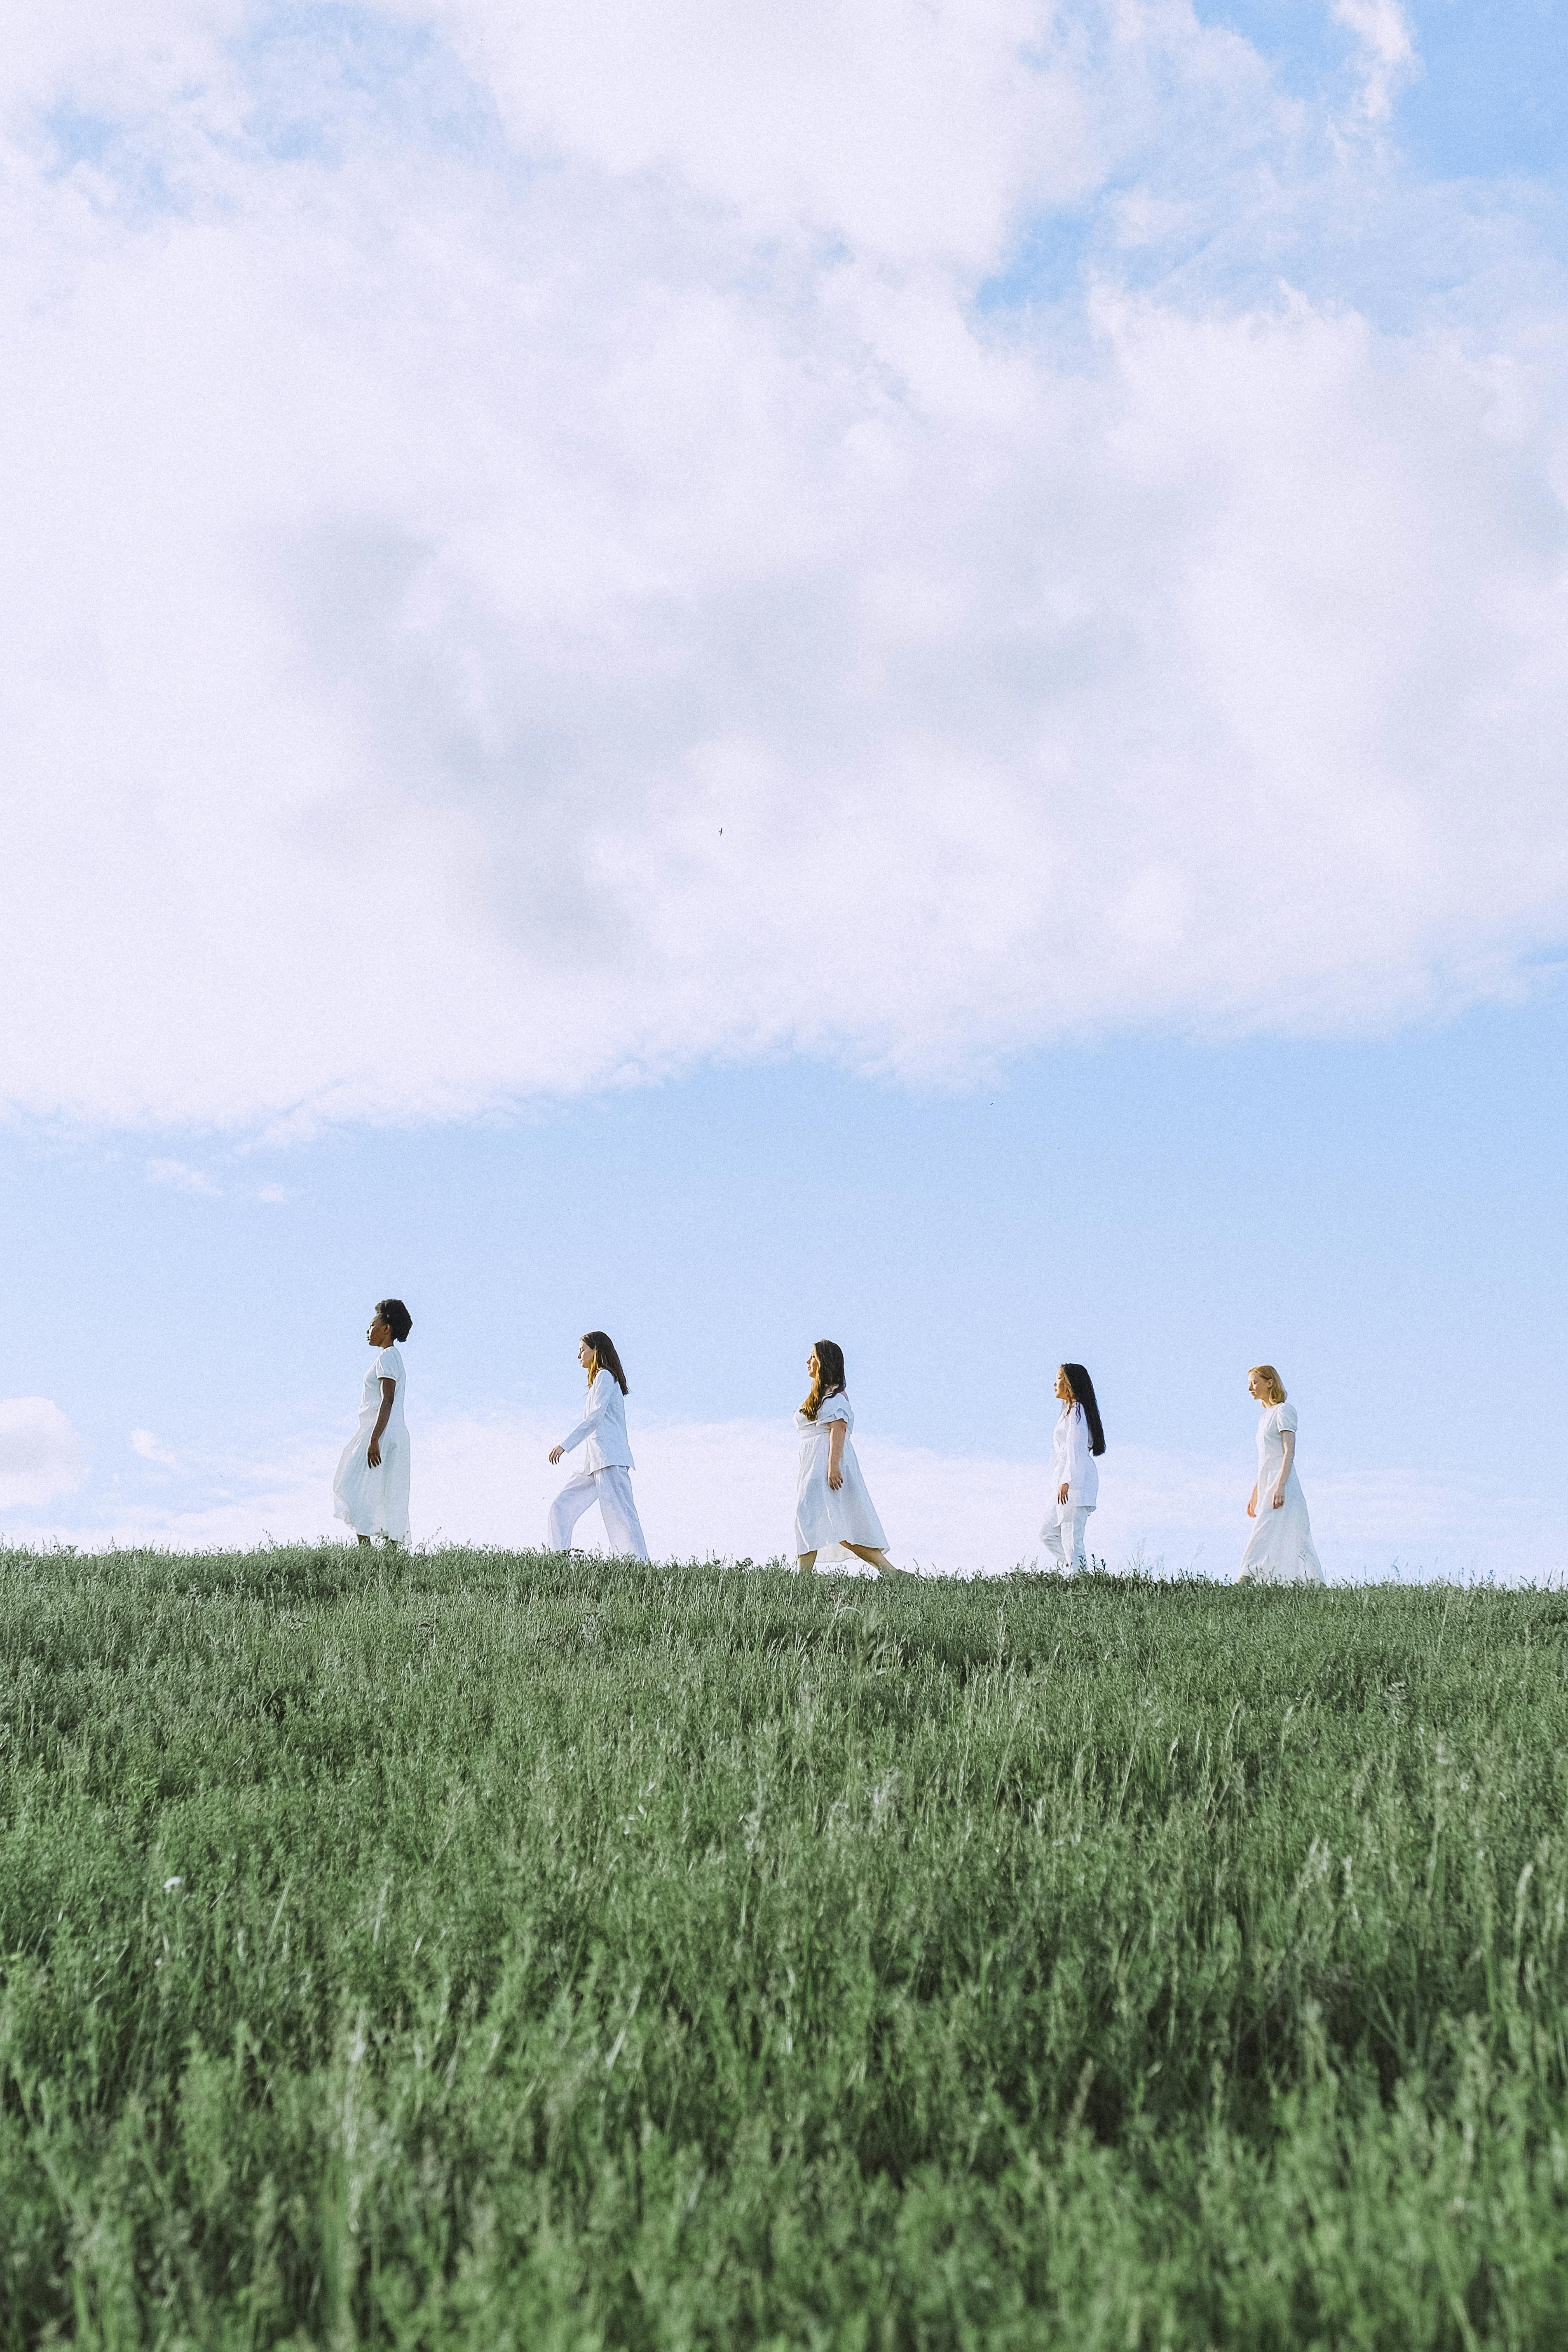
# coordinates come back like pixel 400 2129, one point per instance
pixel 612 1490
pixel 1063 1535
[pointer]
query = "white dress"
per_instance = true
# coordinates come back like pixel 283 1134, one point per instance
pixel 823 1518
pixel 376 1502
pixel 1280 1550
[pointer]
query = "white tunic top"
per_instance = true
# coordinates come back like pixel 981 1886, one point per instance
pixel 1076 1466
pixel 604 1427
pixel 1282 1551
pixel 825 1517
pixel 376 1502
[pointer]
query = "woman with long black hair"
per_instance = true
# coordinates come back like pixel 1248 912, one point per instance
pixel 1078 1442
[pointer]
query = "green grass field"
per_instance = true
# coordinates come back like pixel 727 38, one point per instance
pixel 480 1948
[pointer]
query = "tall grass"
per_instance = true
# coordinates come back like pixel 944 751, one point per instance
pixel 483 1948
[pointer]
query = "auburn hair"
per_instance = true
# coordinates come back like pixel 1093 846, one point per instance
pixel 606 1358
pixel 1273 1386
pixel 829 1381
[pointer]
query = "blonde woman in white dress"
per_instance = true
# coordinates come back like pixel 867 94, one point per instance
pixel 606 1477
pixel 832 1507
pixel 370 1489
pixel 1280 1550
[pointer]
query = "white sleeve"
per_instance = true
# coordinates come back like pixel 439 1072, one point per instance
pixel 1077 1451
pixel 598 1406
pixel 386 1365
pixel 1284 1418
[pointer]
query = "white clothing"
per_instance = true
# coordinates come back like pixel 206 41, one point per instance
pixel 825 1517
pixel 1076 1468
pixel 604 1427
pixel 376 1502
pixel 612 1490
pixel 1280 1550
pixel 1063 1535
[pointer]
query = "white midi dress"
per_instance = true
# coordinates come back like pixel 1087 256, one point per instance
pixel 825 1518
pixel 1280 1550
pixel 376 1502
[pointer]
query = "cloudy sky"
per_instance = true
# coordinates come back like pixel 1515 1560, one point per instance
pixel 878 669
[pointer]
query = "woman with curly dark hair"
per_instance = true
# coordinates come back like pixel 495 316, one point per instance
pixel 370 1488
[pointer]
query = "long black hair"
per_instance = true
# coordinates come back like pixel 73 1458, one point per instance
pixel 1082 1389
pixel 604 1347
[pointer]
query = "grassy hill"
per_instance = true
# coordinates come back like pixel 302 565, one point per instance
pixel 481 1948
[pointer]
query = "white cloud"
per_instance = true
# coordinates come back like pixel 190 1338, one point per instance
pixel 179 1178
pixel 1387 46
pixel 144 1444
pixel 41 1455
pixel 479 603
pixel 725 1490
pixel 273 1194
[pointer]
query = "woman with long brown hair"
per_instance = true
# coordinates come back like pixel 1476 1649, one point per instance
pixel 605 1475
pixel 831 1506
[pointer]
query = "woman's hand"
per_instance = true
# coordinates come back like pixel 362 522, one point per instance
pixel 1252 1504
pixel 373 1451
pixel 556 1452
pixel 835 1476
pixel 1063 1491
pixel 1279 1498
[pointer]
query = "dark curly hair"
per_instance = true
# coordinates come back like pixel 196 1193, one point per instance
pixel 393 1312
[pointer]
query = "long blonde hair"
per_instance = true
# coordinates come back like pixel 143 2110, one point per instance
pixel 829 1381
pixel 1273 1386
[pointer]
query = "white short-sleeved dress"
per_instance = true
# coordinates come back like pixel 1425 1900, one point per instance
pixel 376 1502
pixel 821 1516
pixel 1281 1550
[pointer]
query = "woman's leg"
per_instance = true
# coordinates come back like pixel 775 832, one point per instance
pixel 576 1497
pixel 1051 1537
pixel 877 1560
pixel 805 1562
pixel 619 1513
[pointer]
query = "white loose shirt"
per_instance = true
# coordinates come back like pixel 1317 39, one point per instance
pixel 604 1427
pixel 1075 1464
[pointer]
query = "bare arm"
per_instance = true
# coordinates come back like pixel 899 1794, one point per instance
pixel 1289 1437
pixel 836 1454
pixel 373 1454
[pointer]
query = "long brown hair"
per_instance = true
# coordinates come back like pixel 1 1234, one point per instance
pixel 829 1381
pixel 603 1349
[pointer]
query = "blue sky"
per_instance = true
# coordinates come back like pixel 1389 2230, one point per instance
pixel 640 709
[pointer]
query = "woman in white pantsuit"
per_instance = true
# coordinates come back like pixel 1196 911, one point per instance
pixel 1282 1551
pixel 605 1475
pixel 831 1508
pixel 1076 1442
